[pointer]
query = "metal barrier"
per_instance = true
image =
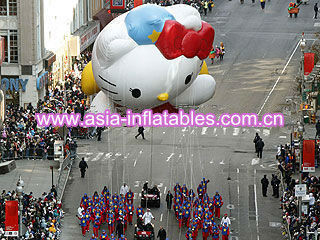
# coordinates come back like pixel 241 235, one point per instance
pixel 286 224
pixel 64 172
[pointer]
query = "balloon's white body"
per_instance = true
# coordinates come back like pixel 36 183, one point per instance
pixel 133 75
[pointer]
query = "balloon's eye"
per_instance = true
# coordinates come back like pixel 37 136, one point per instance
pixel 188 79
pixel 136 93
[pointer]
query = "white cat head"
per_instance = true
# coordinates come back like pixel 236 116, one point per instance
pixel 151 54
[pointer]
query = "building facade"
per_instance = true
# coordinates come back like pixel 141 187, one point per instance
pixel 23 72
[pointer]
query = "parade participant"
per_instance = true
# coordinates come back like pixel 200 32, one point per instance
pixel 147 217
pixel 215 232
pixel 191 195
pixel 226 220
pixel 263 4
pixel 212 55
pixel 83 166
pixel 200 190
pixel 189 234
pixel 104 235
pixel 217 204
pixel 139 212
pixel 180 216
pixel 204 184
pixel 84 201
pixel 184 191
pixel 93 237
pixel 95 197
pixel 225 232
pixel 120 228
pixel 205 230
pixel 169 198
pixel 83 224
pixel 177 189
pixel 96 225
pixel 111 222
pixel 122 238
pixel 145 187
pixel 124 189
pixel 130 209
pixel 112 237
pixel 186 216
pixel 87 217
pixel 129 197
pixel 222 51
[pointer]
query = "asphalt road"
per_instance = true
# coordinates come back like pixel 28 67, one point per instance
pixel 261 60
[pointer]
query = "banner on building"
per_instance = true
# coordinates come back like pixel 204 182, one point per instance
pixel 58 148
pixel 308 156
pixel 138 3
pixel 308 63
pixel 12 219
pixel 118 6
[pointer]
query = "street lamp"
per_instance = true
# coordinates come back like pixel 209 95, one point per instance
pixel 19 190
pixel 300 131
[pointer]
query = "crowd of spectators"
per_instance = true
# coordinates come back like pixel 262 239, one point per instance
pixel 22 138
pixel 40 216
pixel 309 222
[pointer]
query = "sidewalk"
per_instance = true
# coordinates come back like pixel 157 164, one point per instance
pixel 36 175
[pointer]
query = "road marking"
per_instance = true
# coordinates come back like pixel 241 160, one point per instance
pixel 168 159
pixel 222 162
pixel 282 136
pixel 90 153
pixel 108 155
pixel 317 24
pixel 255 161
pixel 276 83
pixel 192 132
pixel 214 131
pixel 140 152
pixel 165 190
pixel 160 185
pixel 266 132
pixel 211 162
pixel 273 164
pixel 180 155
pixel 136 183
pixel 224 131
pixel 238 170
pixel 163 132
pixel 96 158
pixel 275 224
pixel 161 217
pixel 126 156
pixel 117 154
pixel 204 129
pixel 184 129
pixel 236 131
pixel 135 162
pixel 262 166
pixel 256 203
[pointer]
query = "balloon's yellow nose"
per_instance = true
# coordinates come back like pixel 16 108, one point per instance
pixel 163 96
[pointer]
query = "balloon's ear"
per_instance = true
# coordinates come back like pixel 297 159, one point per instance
pixel 204 69
pixel 88 84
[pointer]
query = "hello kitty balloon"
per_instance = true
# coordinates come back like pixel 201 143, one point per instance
pixel 149 56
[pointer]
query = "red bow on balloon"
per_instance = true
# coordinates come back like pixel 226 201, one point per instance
pixel 175 40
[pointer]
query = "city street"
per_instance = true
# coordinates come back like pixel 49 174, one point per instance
pixel 257 73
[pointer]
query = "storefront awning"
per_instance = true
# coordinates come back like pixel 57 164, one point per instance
pixel 104 17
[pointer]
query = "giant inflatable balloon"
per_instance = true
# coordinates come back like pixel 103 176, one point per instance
pixel 151 56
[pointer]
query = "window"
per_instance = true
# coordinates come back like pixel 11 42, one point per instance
pixel 13 46
pixel 3 7
pixel 5 48
pixel 26 69
pixel 12 7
